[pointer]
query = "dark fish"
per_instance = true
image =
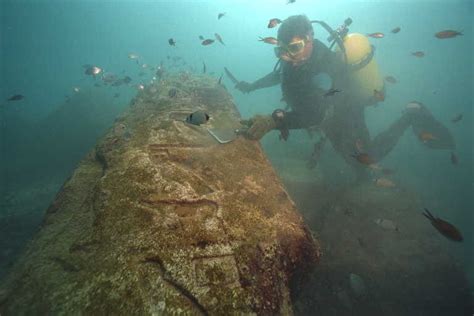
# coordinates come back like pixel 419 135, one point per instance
pixel 97 85
pixel 220 15
pixel 454 159
pixel 172 42
pixel 316 154
pixel 207 42
pixel 331 92
pixel 457 118
pixel 387 171
pixel 204 67
pixel 269 40
pixel 116 95
pixel 220 79
pixel 109 77
pixel 201 37
pixel 379 95
pixel 396 30
pixel 16 97
pixel 291 1
pixel 418 54
pixel 127 79
pixel 445 228
pixel 390 79
pixel 117 83
pixel 363 158
pixel 376 35
pixel 93 71
pixel 447 34
pixel 197 118
pixel 159 72
pixel 172 93
pixel 219 38
pixel 273 22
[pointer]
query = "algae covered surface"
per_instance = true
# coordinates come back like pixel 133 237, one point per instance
pixel 161 219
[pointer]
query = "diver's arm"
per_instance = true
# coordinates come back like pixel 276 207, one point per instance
pixel 269 80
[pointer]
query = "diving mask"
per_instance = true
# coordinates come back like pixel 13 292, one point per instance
pixel 291 49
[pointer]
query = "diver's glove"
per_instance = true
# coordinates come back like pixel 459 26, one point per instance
pixel 259 125
pixel 244 86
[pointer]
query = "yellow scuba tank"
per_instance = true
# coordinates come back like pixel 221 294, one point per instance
pixel 364 71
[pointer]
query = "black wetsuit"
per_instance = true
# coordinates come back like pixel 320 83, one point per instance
pixel 341 116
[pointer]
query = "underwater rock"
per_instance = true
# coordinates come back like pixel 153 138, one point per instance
pixel 167 221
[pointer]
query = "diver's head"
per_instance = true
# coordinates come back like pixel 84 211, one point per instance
pixel 295 40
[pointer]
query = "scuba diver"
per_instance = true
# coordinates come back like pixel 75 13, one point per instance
pixel 338 112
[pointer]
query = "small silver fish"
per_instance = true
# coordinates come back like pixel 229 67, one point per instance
pixel 386 224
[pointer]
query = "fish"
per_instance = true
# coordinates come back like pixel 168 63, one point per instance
pixel 415 105
pixel 363 158
pixel 207 42
pixel 454 159
pixel 116 95
pixel 291 1
pixel 390 79
pixel 203 67
pixel 219 38
pixel 160 71
pixel 133 56
pixel 379 95
pixel 76 89
pixel 386 224
pixel 201 37
pixel 359 145
pixel 97 85
pixel 376 35
pixel 118 83
pixel 396 30
pixel 331 92
pixel 387 171
pixel 269 40
pixel 357 285
pixel 418 54
pixel 140 86
pixel 316 154
pixel 220 15
pixel 172 93
pixel 93 71
pixel 426 136
pixel 172 42
pixel 446 229
pixel 273 22
pixel 109 77
pixel 197 118
pixel 447 34
pixel 384 183
pixel 220 79
pixel 127 79
pixel 16 97
pixel 457 118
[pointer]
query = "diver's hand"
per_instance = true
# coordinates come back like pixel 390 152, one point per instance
pixel 259 125
pixel 244 87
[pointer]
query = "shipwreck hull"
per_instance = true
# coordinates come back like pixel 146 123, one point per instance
pixel 161 219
